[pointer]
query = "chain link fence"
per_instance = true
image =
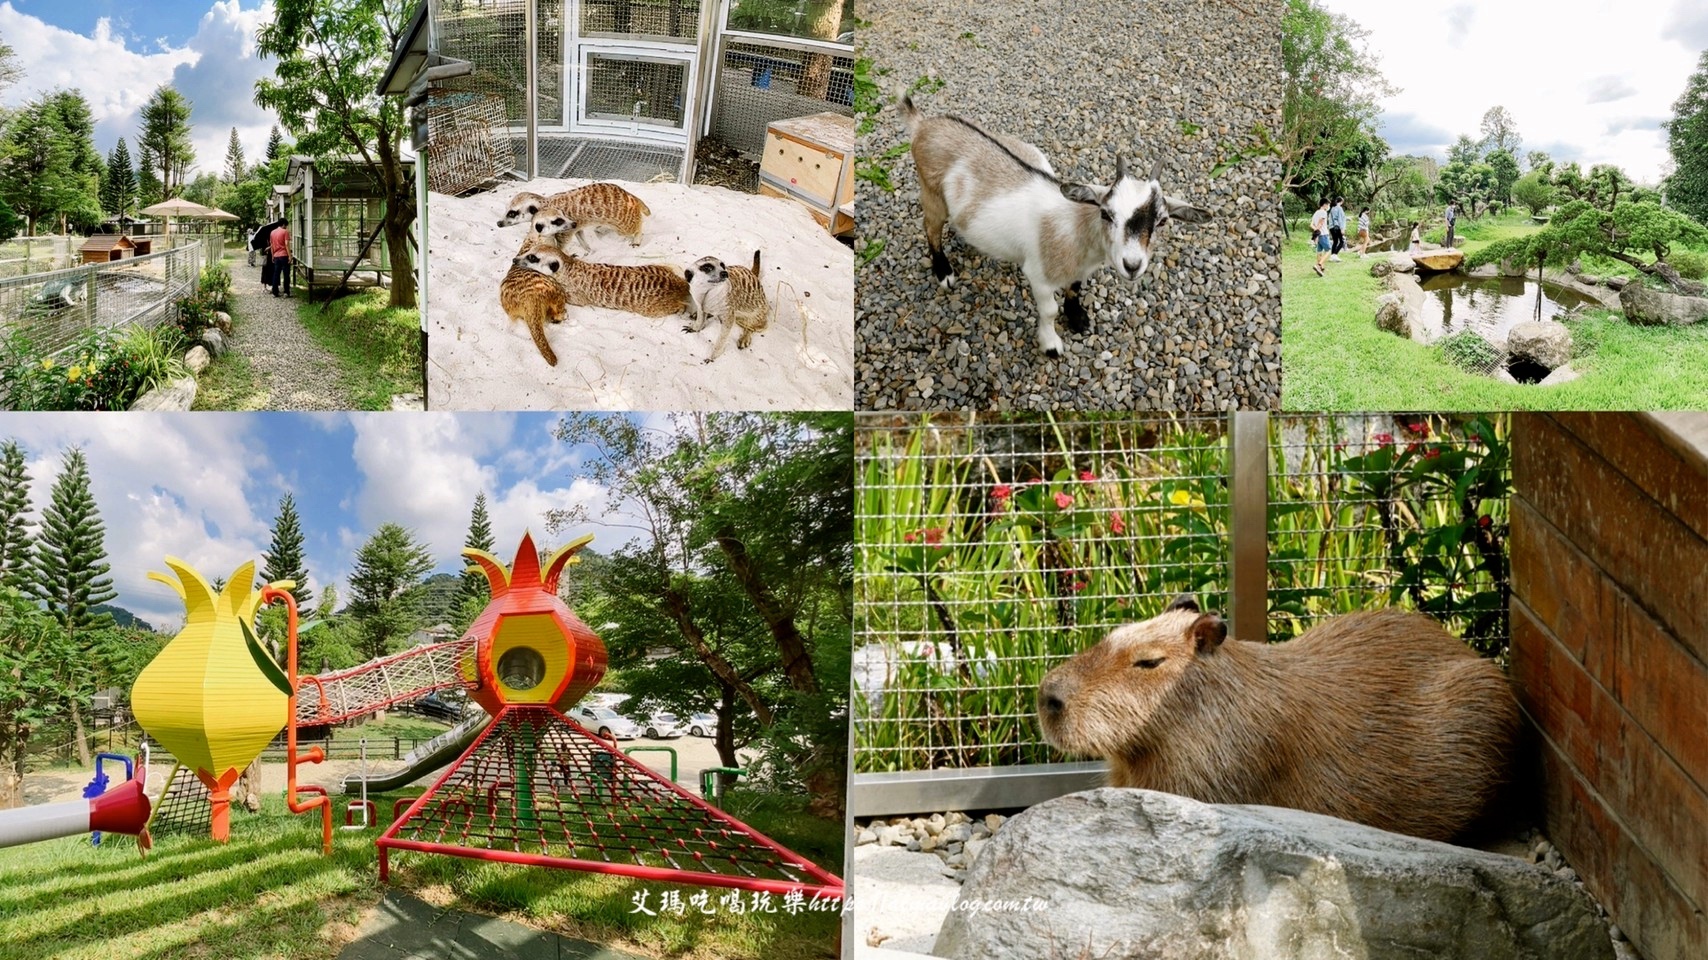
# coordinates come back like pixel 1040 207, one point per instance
pixel 53 309
pixel 25 255
pixel 990 550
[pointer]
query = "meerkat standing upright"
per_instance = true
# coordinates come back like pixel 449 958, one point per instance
pixel 531 292
pixel 573 212
pixel 734 296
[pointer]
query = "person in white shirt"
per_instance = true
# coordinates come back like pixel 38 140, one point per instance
pixel 1319 235
pixel 1363 233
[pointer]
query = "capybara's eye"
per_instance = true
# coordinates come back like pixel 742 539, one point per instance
pixel 1150 663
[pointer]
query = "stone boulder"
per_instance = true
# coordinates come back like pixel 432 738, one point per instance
pixel 1133 873
pixel 1392 315
pixel 1617 283
pixel 177 395
pixel 1439 261
pixel 1514 270
pixel 1547 342
pixel 1392 263
pixel 215 342
pixel 1381 268
pixel 222 320
pixel 1589 279
pixel 197 360
pixel 1646 305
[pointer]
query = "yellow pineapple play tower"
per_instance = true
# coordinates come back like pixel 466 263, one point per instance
pixel 211 696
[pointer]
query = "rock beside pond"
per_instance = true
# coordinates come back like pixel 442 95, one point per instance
pixel 1134 873
pixel 1392 315
pixel 1547 342
pixel 1645 305
pixel 1510 269
pixel 1589 279
pixel 1439 261
pixel 1392 263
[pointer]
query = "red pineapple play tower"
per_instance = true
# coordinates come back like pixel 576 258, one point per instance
pixel 538 789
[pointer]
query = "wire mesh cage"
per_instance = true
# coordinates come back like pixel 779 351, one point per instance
pixel 52 310
pixel 988 551
pixel 761 82
pixel 627 88
pixel 466 148
pixel 658 20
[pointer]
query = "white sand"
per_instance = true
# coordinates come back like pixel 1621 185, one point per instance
pixel 611 360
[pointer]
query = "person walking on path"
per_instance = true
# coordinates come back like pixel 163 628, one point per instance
pixel 1319 234
pixel 279 246
pixel 1337 229
pixel 1452 218
pixel 1363 233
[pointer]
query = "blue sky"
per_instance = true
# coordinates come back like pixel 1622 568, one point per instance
pixel 117 54
pixel 205 487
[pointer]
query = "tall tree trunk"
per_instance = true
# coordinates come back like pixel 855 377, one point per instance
pixel 17 737
pixel 83 755
pixel 725 738
pixel 816 71
pixel 676 605
pixel 399 214
pixel 791 646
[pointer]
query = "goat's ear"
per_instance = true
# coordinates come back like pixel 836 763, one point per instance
pixel 1186 212
pixel 1120 168
pixel 1084 193
pixel 1156 169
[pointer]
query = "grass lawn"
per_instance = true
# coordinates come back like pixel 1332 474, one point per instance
pixel 1334 357
pixel 380 346
pixel 398 724
pixel 269 893
pixel 229 383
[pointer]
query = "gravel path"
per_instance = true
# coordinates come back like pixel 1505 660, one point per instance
pixel 1081 80
pixel 294 371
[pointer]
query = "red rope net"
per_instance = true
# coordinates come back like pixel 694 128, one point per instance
pixel 539 789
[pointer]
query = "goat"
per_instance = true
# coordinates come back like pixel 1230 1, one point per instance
pixel 1005 200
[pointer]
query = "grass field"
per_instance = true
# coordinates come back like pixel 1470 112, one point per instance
pixel 380 345
pixel 1334 357
pixel 270 894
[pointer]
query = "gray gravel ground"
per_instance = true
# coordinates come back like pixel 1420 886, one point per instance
pixel 1081 79
pixel 296 372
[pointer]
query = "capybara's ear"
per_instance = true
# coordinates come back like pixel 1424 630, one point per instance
pixel 1207 632
pixel 1183 602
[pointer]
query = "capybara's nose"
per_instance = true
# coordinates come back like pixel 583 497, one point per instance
pixel 1052 696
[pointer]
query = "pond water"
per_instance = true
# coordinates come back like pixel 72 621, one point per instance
pixel 1453 302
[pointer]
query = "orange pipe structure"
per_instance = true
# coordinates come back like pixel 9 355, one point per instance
pixel 292 757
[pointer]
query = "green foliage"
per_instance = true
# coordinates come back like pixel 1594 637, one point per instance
pixel 71 553
pixel 1500 133
pixel 1690 264
pixel 1505 168
pixel 1580 228
pixel 118 184
pixel 868 96
pixel 1687 140
pixel 37 174
pixel 235 167
pixel 36 682
pixel 214 285
pixel 1533 190
pixel 475 591
pixel 1331 87
pixel 10 223
pixel 104 369
pixel 379 345
pixel 383 595
pixel 165 138
pixel 1467 350
pixel 15 545
pixel 193 315
pixel 284 558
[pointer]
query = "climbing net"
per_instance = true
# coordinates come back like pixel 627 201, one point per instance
pixel 539 789
pixel 362 689
pixel 183 806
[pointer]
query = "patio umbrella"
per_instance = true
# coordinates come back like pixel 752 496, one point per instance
pixel 215 213
pixel 177 207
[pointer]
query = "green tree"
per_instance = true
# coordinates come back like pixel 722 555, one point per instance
pixel 1500 132
pixel 1505 168
pixel 1331 88
pixel 10 72
pixel 235 169
pixel 1534 191
pixel 204 189
pixel 1687 140
pixel 383 588
pixel 70 567
pixel 118 187
pixel 1605 185
pixel 284 558
pixel 10 223
pixel 750 521
pixel 87 167
pixel 1569 178
pixel 479 537
pixel 275 145
pixel 1539 160
pixel 149 189
pixel 1580 228
pixel 1471 185
pixel 16 571
pixel 36 178
pixel 166 137
pixel 1464 151
pixel 35 659
pixel 331 55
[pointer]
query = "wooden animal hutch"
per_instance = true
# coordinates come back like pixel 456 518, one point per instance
pixel 335 210
pixel 107 247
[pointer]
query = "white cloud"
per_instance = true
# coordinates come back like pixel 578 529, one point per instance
pixel 1566 83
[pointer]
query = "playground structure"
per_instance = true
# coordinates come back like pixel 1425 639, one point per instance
pixel 525 783
pixel 123 809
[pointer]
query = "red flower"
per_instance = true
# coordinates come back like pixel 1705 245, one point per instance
pixel 934 536
pixel 1418 428
pixel 1001 491
pixel 1087 476
pixel 1064 500
pixel 1484 521
pixel 910 536
pixel 1116 524
pixel 1077 586
pixel 1383 439
pixel 1432 453
pixel 1412 446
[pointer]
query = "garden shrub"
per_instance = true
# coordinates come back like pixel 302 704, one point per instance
pixel 103 370
pixel 214 286
pixel 1690 264
pixel 194 315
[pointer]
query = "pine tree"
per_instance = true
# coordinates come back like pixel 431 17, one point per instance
pixel 149 190
pixel 1687 139
pixel 14 527
pixel 480 538
pixel 234 166
pixel 166 135
pixel 71 554
pixel 118 187
pixel 71 567
pixel 284 558
pixel 383 594
pixel 275 144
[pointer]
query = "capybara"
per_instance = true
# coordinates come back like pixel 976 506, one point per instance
pixel 1380 717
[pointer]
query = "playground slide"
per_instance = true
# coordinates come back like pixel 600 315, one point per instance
pixel 424 759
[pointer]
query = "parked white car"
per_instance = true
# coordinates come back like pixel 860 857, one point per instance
pixel 663 726
pixel 606 723
pixel 702 725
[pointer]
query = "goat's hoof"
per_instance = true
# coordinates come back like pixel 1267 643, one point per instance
pixel 947 282
pixel 1053 353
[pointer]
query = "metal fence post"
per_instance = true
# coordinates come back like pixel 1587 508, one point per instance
pixel 531 37
pixel 1248 525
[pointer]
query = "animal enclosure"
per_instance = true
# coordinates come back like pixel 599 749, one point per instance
pixel 54 308
pixel 990 549
pixel 335 210
pixel 624 89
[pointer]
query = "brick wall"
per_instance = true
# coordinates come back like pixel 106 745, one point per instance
pixel 1610 657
